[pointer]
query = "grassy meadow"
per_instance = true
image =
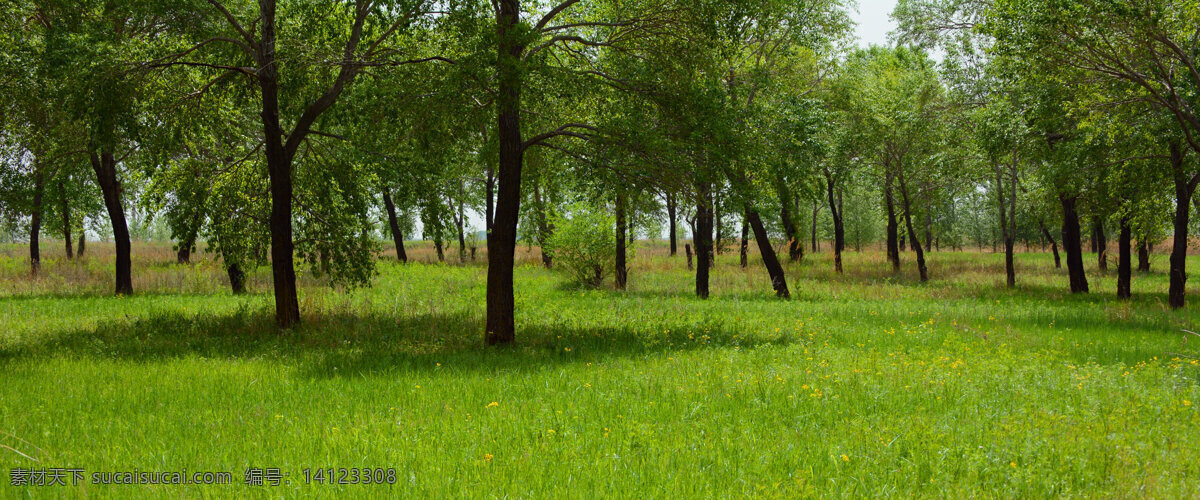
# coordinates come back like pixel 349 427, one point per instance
pixel 867 384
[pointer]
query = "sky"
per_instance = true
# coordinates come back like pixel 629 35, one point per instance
pixel 873 21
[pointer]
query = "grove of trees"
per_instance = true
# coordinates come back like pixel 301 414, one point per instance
pixel 290 133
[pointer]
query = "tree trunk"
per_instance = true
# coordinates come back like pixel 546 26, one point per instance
pixel 912 235
pixel 719 239
pixel 35 221
pixel 687 247
pixel 279 169
pixel 500 326
pixel 489 217
pixel 188 242
pixel 815 243
pixel 461 221
pixel 82 241
pixel 790 228
pixel 237 278
pixel 1124 266
pixel 672 230
pixel 394 224
pixel 544 229
pixel 745 234
pixel 770 260
pixel 1143 256
pixel 1184 188
pixel 839 231
pixel 1006 228
pixel 703 238
pixel 1101 244
pixel 620 271
pixel 65 208
pixel 1053 244
pixel 928 231
pixel 893 246
pixel 105 166
pixel 1072 244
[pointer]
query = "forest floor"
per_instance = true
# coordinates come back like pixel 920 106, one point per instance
pixel 866 384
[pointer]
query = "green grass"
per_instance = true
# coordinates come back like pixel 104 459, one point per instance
pixel 864 384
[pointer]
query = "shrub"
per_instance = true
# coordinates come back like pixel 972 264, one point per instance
pixel 584 243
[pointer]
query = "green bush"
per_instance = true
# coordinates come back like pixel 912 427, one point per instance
pixel 584 243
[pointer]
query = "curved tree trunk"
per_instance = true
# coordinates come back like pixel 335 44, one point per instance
pixel 1072 244
pixel 893 244
pixel 394 225
pixel 1053 244
pixel 1124 266
pixel 839 231
pixel 912 235
pixel 770 260
pixel 105 166
pixel 790 228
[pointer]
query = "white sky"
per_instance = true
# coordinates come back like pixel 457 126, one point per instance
pixel 873 21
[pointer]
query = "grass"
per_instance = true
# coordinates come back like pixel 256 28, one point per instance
pixel 866 384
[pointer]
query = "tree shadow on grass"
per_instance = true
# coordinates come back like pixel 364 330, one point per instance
pixel 339 344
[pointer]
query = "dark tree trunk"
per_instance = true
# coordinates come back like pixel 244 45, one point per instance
pixel 35 222
pixel 719 240
pixel 1143 257
pixel 500 327
pixel 489 216
pixel 770 260
pixel 105 166
pixel 461 221
pixel 394 224
pixel 279 169
pixel 1072 242
pixel 1053 244
pixel 620 271
pixel 188 242
pixel 1184 188
pixel 744 243
pixel 839 231
pixel 1101 244
pixel 82 241
pixel 440 247
pixel 672 229
pixel 544 229
pixel 893 246
pixel 790 228
pixel 1124 266
pixel 1007 227
pixel 703 238
pixel 916 242
pixel 815 243
pixel 65 208
pixel 687 247
pixel 237 278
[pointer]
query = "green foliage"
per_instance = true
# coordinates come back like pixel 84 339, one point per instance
pixel 584 243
